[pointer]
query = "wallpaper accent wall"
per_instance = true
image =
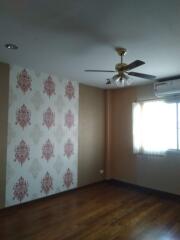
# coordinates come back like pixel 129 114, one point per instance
pixel 42 153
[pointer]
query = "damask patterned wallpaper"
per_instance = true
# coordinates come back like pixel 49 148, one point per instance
pixel 42 149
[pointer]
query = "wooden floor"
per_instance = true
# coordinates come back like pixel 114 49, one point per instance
pixel 102 211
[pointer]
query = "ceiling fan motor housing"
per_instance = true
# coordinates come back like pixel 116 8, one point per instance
pixel 119 67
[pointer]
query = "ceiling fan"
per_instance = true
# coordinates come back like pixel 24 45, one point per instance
pixel 122 70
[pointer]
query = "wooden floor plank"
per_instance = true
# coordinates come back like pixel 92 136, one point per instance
pixel 102 211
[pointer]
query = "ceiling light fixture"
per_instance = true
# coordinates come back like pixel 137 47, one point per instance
pixel 11 46
pixel 108 81
pixel 118 81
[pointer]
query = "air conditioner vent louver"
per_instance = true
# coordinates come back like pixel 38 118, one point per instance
pixel 167 88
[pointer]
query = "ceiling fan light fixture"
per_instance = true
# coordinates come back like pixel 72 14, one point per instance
pixel 122 83
pixel 108 81
pixel 117 82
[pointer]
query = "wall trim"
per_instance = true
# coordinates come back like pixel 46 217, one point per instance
pixel 147 190
pixel 118 183
pixel 46 198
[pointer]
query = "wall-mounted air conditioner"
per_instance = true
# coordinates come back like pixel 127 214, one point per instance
pixel 167 88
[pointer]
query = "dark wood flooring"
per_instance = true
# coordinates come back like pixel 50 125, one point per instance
pixel 102 212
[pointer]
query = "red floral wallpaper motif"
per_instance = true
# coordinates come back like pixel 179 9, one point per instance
pixel 68 178
pixel 47 183
pixel 23 116
pixel 24 81
pixel 49 87
pixel 48 150
pixel 69 119
pixel 36 132
pixel 20 189
pixel 22 152
pixel 68 148
pixel 49 118
pixel 69 90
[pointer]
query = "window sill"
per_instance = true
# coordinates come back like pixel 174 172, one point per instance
pixel 173 151
pixel 150 154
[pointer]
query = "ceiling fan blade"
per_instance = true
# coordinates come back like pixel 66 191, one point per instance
pixel 172 77
pixel 134 64
pixel 142 75
pixel 89 70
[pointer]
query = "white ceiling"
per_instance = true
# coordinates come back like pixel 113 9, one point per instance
pixel 67 36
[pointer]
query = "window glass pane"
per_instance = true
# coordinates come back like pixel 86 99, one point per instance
pixel 137 136
pixel 156 126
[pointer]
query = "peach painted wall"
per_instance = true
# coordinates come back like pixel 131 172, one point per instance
pixel 161 173
pixel 91 134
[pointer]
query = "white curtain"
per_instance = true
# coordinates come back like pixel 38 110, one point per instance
pixel 154 127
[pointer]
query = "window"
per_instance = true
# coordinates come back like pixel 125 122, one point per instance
pixel 156 126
